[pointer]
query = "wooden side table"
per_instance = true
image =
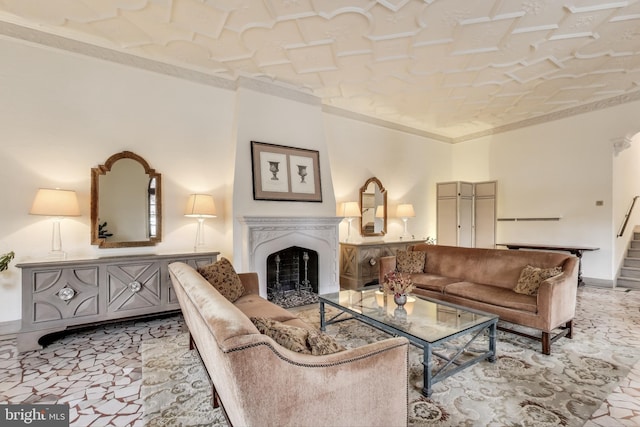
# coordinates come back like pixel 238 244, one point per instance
pixel 359 261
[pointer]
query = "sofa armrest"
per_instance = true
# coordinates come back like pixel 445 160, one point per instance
pixel 557 295
pixel 367 385
pixel 250 283
pixel 387 265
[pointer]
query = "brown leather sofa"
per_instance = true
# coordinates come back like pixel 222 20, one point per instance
pixel 484 279
pixel 261 383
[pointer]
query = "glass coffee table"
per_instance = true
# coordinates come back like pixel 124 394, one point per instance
pixel 445 331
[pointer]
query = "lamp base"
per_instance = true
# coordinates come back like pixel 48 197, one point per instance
pixel 57 255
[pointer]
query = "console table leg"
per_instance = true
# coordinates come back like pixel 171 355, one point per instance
pixel 322 321
pixel 493 332
pixel 578 254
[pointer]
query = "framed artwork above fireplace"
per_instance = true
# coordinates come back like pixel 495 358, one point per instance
pixel 285 173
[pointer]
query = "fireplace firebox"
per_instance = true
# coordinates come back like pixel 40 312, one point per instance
pixel 292 276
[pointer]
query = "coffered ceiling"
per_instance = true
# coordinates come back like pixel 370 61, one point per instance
pixel 452 69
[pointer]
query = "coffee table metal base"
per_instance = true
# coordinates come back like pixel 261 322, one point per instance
pixel 452 364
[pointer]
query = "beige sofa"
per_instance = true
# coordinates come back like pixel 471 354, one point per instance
pixel 485 279
pixel 261 383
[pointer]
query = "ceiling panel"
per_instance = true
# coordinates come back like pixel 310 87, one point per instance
pixel 455 69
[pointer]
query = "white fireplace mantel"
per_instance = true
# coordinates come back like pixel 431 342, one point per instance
pixel 264 235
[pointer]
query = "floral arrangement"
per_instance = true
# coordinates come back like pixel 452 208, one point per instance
pixel 395 283
pixel 5 260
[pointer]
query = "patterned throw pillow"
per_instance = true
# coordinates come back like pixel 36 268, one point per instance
pixel 410 261
pixel 224 278
pixel 296 339
pixel 531 277
pixel 322 344
pixel 291 337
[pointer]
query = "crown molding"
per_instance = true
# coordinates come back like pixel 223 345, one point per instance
pixel 329 109
pixel 556 115
pixel 277 89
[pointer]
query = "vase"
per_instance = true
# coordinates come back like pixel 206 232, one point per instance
pixel 400 314
pixel 400 299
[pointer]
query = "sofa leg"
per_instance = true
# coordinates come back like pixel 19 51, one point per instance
pixel 215 402
pixel 569 327
pixel 192 343
pixel 546 343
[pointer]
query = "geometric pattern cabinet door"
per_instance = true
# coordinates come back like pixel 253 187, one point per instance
pixel 61 295
pixel 133 286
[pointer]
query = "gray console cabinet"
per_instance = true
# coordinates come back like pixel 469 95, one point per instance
pixel 60 295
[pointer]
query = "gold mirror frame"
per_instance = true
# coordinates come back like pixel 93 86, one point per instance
pixel 102 170
pixel 370 200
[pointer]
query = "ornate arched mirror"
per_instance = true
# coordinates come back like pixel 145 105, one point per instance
pixel 126 203
pixel 373 202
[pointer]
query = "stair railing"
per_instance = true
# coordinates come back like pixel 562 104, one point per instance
pixel 626 217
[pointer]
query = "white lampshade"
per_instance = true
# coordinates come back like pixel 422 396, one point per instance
pixel 200 206
pixel 351 210
pixel 380 211
pixel 55 202
pixel 405 211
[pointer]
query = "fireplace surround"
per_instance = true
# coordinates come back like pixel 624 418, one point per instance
pixel 265 235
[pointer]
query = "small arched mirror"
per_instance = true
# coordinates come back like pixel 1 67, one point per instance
pixel 126 203
pixel 373 202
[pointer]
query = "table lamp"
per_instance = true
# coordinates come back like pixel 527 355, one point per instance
pixel 405 211
pixel 351 210
pixel 200 206
pixel 57 204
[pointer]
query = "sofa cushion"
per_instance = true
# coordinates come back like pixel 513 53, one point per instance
pixel 493 295
pixel 431 282
pixel 531 277
pixel 300 340
pixel 224 278
pixel 255 306
pixel 410 261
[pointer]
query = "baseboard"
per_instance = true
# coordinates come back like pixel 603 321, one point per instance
pixel 9 329
pixel 598 283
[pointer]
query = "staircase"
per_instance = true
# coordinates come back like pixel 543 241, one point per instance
pixel 629 276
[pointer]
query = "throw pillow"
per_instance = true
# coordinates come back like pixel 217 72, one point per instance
pixel 410 261
pixel 531 277
pixel 224 278
pixel 323 344
pixel 290 337
pixel 297 339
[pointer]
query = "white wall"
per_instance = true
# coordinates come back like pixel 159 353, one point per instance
pixel 62 114
pixel 407 165
pixel 559 168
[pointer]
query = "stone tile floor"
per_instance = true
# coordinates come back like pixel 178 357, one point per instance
pixel 98 373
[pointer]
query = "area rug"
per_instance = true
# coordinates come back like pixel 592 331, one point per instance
pixel 523 388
